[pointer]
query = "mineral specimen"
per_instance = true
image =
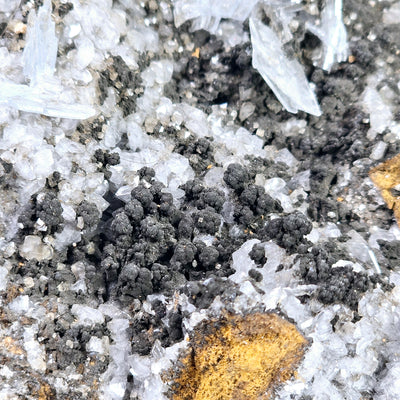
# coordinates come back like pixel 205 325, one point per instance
pixel 45 94
pixel 239 358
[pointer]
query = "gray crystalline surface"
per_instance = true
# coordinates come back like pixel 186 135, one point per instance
pixel 44 95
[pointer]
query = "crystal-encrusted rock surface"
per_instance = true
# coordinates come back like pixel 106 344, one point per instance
pixel 192 191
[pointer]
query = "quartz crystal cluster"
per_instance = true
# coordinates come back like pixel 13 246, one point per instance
pixel 164 204
pixel 44 94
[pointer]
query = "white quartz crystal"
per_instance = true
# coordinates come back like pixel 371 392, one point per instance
pixel 284 76
pixel 34 248
pixel 87 315
pixel 100 23
pixel 35 352
pixel 158 72
pixel 377 233
pixel 6 372
pixel 7 6
pixel 272 186
pixel 20 305
pixel 98 345
pixel 378 151
pixel 246 110
pixel 115 376
pixel 174 171
pixel 301 180
pixel 233 145
pixel 242 263
pixel 148 370
pixel 392 15
pixel 288 158
pixel 66 237
pixel 380 114
pixel 357 246
pixel 389 387
pixel 194 119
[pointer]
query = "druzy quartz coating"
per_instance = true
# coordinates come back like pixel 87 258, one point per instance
pixel 125 238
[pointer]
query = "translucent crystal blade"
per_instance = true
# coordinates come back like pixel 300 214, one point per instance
pixel 208 13
pixel 33 99
pixel 332 33
pixel 285 77
pixel 44 93
pixel 40 52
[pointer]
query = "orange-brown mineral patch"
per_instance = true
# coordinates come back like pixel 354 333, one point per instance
pixel 238 358
pixel 386 176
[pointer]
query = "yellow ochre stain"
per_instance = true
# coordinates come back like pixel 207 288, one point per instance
pixel 196 53
pixel 386 177
pixel 238 358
